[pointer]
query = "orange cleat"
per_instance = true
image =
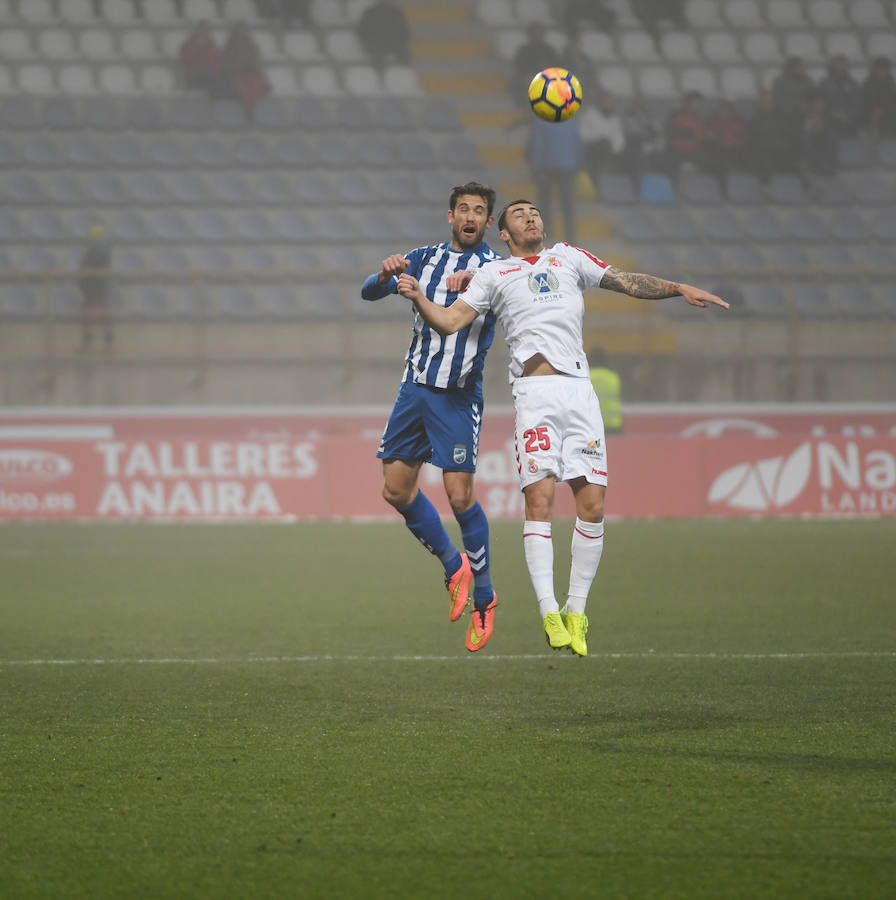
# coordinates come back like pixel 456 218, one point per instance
pixel 482 624
pixel 459 588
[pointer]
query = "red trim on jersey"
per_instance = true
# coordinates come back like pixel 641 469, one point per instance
pixel 531 259
pixel 590 256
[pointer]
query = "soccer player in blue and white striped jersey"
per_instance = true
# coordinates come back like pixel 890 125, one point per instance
pixel 438 412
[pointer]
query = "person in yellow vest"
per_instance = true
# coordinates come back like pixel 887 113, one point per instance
pixel 607 387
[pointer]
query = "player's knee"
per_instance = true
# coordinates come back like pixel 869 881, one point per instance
pixel 395 497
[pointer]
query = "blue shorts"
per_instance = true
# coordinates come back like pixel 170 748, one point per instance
pixel 434 425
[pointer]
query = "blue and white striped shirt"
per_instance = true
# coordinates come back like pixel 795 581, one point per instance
pixel 455 361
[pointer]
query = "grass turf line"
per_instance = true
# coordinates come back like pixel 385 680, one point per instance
pixel 643 775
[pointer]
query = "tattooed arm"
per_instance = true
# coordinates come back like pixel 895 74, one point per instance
pixel 649 287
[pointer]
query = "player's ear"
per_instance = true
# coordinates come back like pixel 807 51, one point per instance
pixel 490 222
pixel 450 216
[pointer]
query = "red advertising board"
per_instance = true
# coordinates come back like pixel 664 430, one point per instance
pixel 306 464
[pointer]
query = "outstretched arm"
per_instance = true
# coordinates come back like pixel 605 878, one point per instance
pixel 444 320
pixel 380 285
pixel 649 287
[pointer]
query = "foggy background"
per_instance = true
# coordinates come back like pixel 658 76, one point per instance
pixel 239 241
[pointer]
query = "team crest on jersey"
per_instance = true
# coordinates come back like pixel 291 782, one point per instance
pixel 553 261
pixel 460 453
pixel 543 282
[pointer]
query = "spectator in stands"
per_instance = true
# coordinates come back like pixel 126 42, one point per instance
pixel 202 63
pixel 384 34
pixel 725 139
pixel 643 139
pixel 818 140
pixel 772 142
pixel 555 157
pixel 577 12
pixel 654 13
pixel 93 282
pixel 842 95
pixel 792 87
pixel 879 99
pixel 530 58
pixel 243 67
pixel 603 135
pixel 685 133
pixel 284 12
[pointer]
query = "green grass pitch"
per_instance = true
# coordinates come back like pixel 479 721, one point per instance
pixel 286 711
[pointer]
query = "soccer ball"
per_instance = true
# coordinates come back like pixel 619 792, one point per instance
pixel 555 95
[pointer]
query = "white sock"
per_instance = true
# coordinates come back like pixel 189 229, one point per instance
pixel 539 549
pixel 587 547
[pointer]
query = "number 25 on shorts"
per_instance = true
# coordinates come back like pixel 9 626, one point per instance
pixel 537 439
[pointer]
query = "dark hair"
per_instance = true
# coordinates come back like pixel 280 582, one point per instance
pixel 502 219
pixel 473 187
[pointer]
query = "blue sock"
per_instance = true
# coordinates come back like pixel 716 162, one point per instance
pixel 423 520
pixel 474 531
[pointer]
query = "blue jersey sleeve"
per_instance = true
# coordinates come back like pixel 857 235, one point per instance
pixel 373 290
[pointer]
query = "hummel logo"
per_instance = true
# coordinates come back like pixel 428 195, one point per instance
pixel 478 559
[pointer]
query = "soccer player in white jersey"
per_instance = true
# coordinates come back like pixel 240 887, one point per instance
pixel 537 295
pixel 438 411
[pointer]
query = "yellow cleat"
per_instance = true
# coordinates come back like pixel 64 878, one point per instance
pixel 555 631
pixel 577 626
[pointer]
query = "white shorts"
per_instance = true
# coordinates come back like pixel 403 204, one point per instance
pixel 559 430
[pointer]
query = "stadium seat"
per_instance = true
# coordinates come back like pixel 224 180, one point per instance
pixel 439 114
pixel 55 44
pixel 15 44
pixel 703 14
pixel 844 43
pixel 211 225
pixel 784 14
pixel 698 78
pixel 827 14
pixel 294 225
pixel 498 13
pixel 61 114
pixel 882 224
pixel 833 191
pixel 45 225
pixel 761 48
pixel 720 47
pixel 743 14
pixel 76 12
pixel 275 113
pixel 657 83
pixel 35 78
pixel 303 152
pixel 107 189
pixel 855 152
pixel 104 114
pixel 160 11
pixel 636 225
pixel 679 47
pixel 64 188
pixel 77 79
pixel 301 46
pixel 869 14
pixel 190 188
pixel 229 187
pixel 871 187
pixel 118 12
pixel 532 11
pixel 636 47
pixel 97 45
pixel 321 81
pixel 787 188
pixel 117 79
pixel 236 10
pixel 197 10
pixel 738 82
pixel 886 152
pixel 43 151
pixel 598 46
pixel 617 80
pixel 138 45
pixel 169 225
pixel 362 81
pixel 167 151
pixel 764 225
pixel 699 189
pixel 804 44
pixel 146 114
pixel 806 225
pixel 401 81
pixel 881 43
pixel 38 12
pixel 189 112
pixel 848 226
pixel 20 112
pixel 24 189
pixel 148 188
pixel 157 79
